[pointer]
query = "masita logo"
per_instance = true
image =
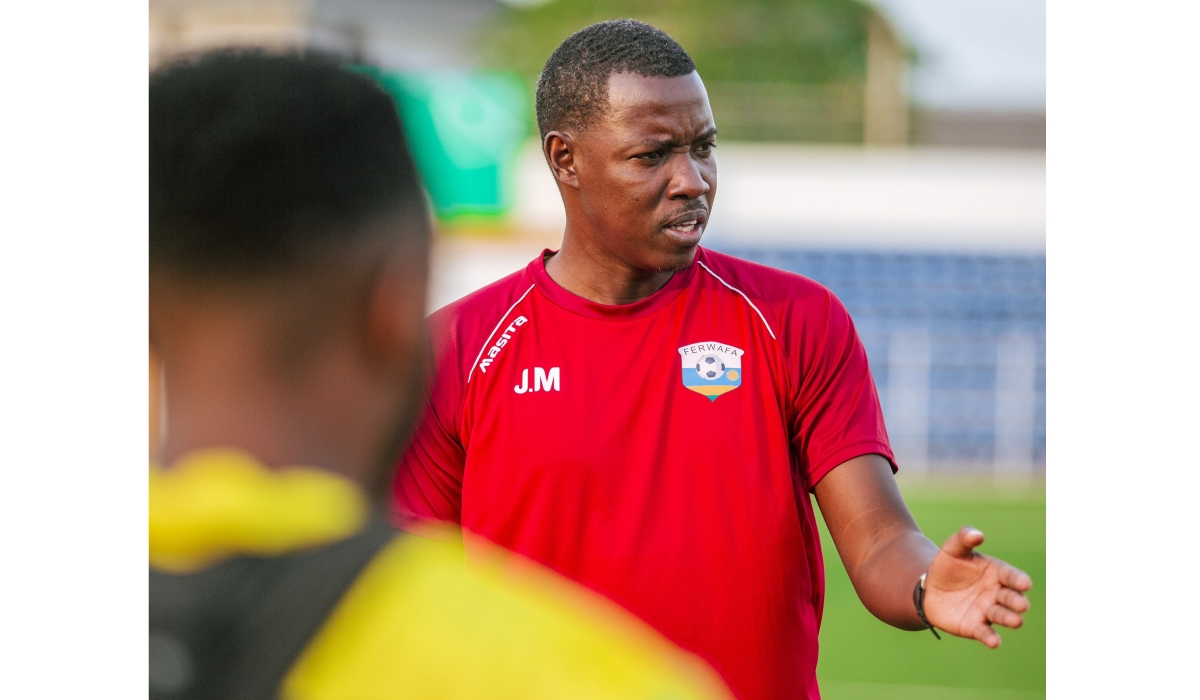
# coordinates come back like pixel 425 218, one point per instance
pixel 711 368
pixel 504 338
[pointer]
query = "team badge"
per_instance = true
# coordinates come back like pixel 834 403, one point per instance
pixel 711 369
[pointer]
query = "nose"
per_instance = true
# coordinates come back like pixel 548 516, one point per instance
pixel 687 179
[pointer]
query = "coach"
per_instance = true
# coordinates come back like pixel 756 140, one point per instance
pixel 648 417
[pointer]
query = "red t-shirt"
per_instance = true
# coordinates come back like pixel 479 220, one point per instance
pixel 659 452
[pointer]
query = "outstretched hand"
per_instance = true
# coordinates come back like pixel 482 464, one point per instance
pixel 967 592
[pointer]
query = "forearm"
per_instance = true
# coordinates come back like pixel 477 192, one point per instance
pixel 884 580
pixel 880 544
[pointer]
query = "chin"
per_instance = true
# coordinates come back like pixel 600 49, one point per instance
pixel 677 261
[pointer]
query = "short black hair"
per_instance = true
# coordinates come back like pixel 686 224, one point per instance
pixel 259 161
pixel 573 87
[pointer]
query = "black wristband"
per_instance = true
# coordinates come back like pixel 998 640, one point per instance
pixel 919 602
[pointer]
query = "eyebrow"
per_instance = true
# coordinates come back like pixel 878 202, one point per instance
pixel 660 143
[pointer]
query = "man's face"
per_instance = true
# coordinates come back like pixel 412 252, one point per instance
pixel 646 172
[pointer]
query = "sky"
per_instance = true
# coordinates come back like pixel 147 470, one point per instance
pixel 975 54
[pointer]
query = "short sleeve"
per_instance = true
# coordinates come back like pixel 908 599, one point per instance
pixel 837 415
pixel 428 481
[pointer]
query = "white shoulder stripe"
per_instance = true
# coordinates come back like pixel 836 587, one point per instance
pixel 743 295
pixel 489 338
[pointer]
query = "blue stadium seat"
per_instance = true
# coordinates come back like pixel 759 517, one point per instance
pixel 968 306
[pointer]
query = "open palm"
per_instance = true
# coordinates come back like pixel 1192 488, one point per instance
pixel 967 592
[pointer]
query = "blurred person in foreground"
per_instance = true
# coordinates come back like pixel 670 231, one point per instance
pixel 649 417
pixel 288 255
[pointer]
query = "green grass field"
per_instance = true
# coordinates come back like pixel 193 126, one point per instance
pixel 864 659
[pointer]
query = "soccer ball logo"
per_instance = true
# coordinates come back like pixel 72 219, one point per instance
pixel 710 367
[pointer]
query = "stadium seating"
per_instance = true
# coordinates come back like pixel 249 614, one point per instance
pixel 957 345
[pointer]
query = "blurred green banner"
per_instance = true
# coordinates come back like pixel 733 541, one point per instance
pixel 465 129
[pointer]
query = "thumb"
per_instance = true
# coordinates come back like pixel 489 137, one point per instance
pixel 962 542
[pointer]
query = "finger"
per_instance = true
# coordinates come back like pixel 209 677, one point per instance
pixel 1014 578
pixel 1013 600
pixel 987 635
pixel 1003 616
pixel 962 542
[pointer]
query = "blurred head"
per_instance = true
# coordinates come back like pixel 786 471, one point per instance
pixel 288 259
pixel 628 132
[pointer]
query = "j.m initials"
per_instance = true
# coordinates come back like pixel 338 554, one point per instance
pixel 543 380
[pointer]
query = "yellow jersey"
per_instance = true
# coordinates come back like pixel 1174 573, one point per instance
pixel 422 620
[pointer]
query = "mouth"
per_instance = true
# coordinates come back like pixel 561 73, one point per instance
pixel 687 225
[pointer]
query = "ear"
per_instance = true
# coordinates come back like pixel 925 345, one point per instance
pixel 559 149
pixel 396 310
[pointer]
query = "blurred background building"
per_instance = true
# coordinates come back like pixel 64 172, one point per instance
pixel 893 150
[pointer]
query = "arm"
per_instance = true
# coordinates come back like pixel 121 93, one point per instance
pixel 885 554
pixel 837 414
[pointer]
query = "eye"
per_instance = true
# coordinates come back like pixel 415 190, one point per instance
pixel 705 149
pixel 649 156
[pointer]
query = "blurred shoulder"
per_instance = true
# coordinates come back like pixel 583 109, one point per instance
pixel 429 619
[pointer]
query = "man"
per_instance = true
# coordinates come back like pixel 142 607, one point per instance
pixel 649 417
pixel 288 254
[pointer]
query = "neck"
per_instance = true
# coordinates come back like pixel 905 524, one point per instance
pixel 267 427
pixel 228 395
pixel 589 272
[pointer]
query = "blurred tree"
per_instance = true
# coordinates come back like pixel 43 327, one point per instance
pixel 774 69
